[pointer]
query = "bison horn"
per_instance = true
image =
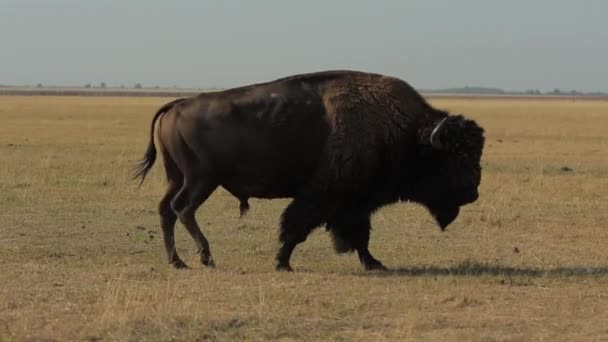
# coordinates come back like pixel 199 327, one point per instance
pixel 435 142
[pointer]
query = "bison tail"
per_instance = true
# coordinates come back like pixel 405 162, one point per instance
pixel 145 164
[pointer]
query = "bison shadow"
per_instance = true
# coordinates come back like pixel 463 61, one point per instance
pixel 478 269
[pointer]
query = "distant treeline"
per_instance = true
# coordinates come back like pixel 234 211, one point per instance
pixel 87 90
pixel 498 91
pixel 95 92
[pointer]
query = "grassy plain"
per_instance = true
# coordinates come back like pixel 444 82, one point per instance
pixel 81 254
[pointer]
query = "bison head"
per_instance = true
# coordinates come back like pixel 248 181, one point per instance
pixel 448 170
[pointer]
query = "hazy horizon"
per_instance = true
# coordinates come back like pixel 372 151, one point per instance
pixel 515 45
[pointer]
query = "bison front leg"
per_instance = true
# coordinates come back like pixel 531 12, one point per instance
pixel 369 262
pixel 300 218
pixel 351 231
pixel 362 246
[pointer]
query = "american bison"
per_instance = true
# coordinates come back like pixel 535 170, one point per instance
pixel 341 144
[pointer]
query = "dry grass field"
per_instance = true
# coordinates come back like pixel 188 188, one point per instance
pixel 81 255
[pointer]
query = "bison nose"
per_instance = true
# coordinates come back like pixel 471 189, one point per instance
pixel 470 196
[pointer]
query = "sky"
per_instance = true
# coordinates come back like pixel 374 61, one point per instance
pixel 508 44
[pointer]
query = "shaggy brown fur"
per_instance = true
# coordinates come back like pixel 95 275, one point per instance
pixel 340 143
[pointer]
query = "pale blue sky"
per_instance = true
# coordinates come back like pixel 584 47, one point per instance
pixel 511 44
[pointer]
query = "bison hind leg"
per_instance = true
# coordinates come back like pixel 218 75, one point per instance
pixel 191 196
pixel 167 223
pixel 168 217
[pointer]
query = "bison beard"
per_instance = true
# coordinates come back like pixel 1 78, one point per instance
pixel 342 144
pixel 445 216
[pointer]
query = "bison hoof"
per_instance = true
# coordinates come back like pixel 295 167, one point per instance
pixel 179 264
pixel 376 267
pixel 209 263
pixel 284 268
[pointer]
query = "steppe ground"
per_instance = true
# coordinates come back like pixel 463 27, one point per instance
pixel 81 255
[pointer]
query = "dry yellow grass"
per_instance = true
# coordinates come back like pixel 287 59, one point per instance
pixel 81 255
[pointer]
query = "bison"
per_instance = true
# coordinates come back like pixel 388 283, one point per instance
pixel 341 144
